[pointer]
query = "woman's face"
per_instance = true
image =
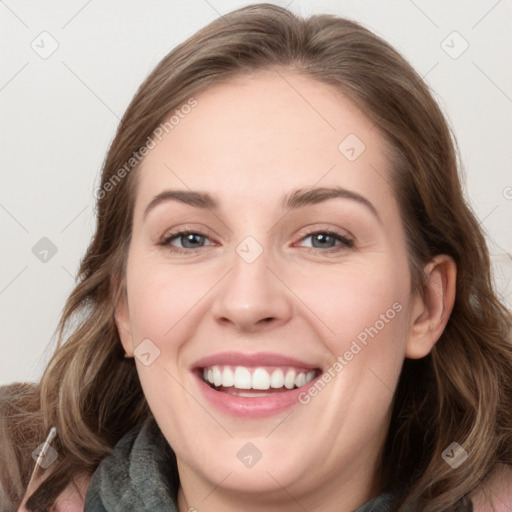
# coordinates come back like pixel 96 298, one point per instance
pixel 294 274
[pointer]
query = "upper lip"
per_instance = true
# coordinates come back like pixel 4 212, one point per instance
pixel 252 360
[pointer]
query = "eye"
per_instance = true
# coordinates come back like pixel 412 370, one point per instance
pixel 324 241
pixel 328 241
pixel 185 241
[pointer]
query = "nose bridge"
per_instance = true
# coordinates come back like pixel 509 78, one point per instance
pixel 251 295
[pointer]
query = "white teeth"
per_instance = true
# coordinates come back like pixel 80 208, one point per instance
pixel 289 380
pixel 217 376
pixel 242 378
pixel 277 379
pixel 228 378
pixel 260 379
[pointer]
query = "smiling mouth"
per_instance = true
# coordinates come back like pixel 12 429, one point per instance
pixel 257 381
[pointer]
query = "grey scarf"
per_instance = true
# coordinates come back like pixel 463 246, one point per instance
pixel 140 475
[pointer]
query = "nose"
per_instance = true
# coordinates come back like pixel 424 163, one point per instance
pixel 252 298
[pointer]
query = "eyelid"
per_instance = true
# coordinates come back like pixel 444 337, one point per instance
pixel 185 228
pixel 315 228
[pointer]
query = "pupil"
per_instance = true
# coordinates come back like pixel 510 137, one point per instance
pixel 191 239
pixel 323 240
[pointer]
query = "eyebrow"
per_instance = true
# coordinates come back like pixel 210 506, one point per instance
pixel 198 199
pixel 307 196
pixel 296 199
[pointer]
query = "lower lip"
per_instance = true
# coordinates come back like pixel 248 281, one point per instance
pixel 252 407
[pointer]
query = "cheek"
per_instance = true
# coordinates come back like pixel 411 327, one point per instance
pixel 161 297
pixel 357 302
pixel 363 314
pixel 163 300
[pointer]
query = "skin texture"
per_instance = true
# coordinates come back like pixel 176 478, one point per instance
pixel 495 493
pixel 249 143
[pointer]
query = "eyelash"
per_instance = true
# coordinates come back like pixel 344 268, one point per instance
pixel 345 242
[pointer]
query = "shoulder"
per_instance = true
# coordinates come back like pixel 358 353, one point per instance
pixel 21 430
pixel 495 493
pixel 72 499
pixel 20 427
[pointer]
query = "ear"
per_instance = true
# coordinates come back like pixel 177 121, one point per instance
pixel 122 319
pixel 430 313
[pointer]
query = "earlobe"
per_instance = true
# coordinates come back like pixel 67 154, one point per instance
pixel 122 319
pixel 431 313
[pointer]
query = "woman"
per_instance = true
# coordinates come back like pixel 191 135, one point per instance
pixel 287 303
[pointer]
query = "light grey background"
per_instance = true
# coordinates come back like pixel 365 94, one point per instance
pixel 60 113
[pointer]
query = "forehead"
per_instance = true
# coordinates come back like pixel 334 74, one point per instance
pixel 260 135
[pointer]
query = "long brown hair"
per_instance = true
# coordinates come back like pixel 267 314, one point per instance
pixel 461 392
